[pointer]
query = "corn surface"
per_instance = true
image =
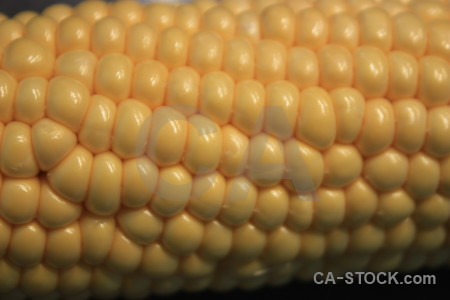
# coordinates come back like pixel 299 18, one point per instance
pixel 152 148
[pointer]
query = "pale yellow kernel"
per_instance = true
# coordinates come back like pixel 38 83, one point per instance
pixel 206 51
pixel 393 208
pixel 375 28
pixel 278 23
pixel 141 42
pixel 182 234
pixel 216 97
pixel 10 274
pixel 437 144
pixel 237 6
pixel 316 123
pixel 291 242
pixel 403 75
pixel 73 109
pixel 74 280
pixel 429 10
pixel 58 11
pixel 173 46
pixel 344 30
pixel 248 25
pixel 25 16
pixel 52 142
pixel 248 242
pixel 105 283
pixel 149 83
pixel 434 80
pixel 96 238
pixel 131 130
pixel 76 167
pixel 239 202
pixel 92 11
pixel 329 208
pixel 63 248
pixel 371 71
pixel 304 167
pixel 129 12
pixel 249 105
pixel 11 30
pixel 438 39
pixel 343 165
pixel 239 58
pixel 423 176
pixel 235 147
pixel 125 255
pixel 433 211
pixel 313 245
pixel 140 225
pixel 183 90
pixel 172 191
pixel 400 236
pixel 336 65
pixel 378 129
pixel 386 171
pixel 366 239
pixel 271 208
pixel 157 262
pixel 7 102
pixel 16 155
pixel 266 160
pixel 362 201
pixel 55 211
pixel 73 33
pixel 301 212
pixel 270 61
pixel 5 234
pixel 167 137
pixel 113 77
pixel 78 64
pixel 159 15
pixel 409 34
pixel 24 58
pixel 104 191
pixel 411 126
pixel 219 19
pixel 298 5
pixel 96 130
pixel 187 17
pixel 208 192
pixel 282 101
pixel 21 238
pixel 42 29
pixel 204 145
pixel 30 101
pixel 217 241
pixel 312 28
pixel 195 266
pixel 302 67
pixel 38 280
pixel 332 7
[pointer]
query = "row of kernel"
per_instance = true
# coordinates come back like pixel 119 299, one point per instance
pixel 277 22
pixel 129 130
pixel 397 75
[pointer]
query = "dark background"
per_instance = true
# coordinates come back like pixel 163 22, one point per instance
pixel 295 289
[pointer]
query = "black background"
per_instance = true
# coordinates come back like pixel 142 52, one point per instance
pixel 295 289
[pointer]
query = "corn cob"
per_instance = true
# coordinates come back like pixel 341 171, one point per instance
pixel 152 148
